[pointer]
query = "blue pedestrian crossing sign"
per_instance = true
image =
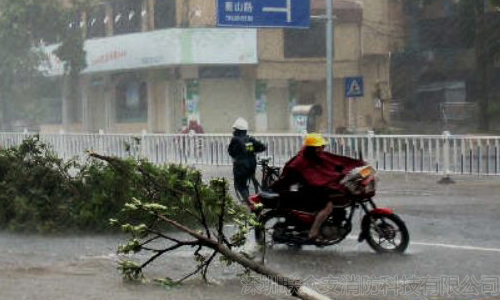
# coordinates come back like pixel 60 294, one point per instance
pixel 354 87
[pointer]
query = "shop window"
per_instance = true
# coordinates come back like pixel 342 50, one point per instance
pixel 95 22
pixel 127 16
pixel 219 72
pixel 131 101
pixel 164 14
pixel 303 43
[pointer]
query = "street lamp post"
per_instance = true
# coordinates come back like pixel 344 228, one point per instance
pixel 329 64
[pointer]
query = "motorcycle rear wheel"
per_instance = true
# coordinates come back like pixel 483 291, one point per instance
pixel 386 233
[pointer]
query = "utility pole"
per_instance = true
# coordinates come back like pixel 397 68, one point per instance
pixel 329 64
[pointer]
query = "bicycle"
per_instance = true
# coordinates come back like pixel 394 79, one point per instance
pixel 269 173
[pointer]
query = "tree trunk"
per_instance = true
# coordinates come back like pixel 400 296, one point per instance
pixel 296 287
pixel 2 112
pixel 482 61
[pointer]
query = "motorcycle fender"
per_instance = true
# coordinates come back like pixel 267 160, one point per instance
pixel 382 211
pixel 377 211
pixel 255 203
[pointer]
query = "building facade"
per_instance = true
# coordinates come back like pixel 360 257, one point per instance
pixel 435 77
pixel 157 65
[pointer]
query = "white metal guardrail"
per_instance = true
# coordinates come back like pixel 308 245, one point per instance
pixel 443 154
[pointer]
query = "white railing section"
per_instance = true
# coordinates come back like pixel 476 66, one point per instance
pixel 442 154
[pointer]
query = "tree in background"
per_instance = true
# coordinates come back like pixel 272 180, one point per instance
pixel 25 25
pixel 473 22
pixel 477 24
pixel 484 28
pixel 71 52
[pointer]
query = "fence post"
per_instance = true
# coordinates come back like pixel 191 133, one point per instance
pixel 446 159
pixel 23 137
pixel 370 157
pixel 100 144
pixel 143 144
pixel 62 144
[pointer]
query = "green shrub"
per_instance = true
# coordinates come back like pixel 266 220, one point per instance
pixel 36 188
pixel 43 193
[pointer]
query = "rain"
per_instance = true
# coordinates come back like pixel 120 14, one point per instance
pixel 407 87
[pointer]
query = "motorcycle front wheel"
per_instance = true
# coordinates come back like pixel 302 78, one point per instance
pixel 385 233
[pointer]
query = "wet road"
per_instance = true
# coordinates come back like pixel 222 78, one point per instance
pixel 454 254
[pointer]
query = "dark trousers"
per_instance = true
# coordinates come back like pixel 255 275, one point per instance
pixel 241 185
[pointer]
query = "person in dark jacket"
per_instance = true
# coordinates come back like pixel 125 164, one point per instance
pixel 242 149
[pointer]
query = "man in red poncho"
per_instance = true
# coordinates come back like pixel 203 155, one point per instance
pixel 319 173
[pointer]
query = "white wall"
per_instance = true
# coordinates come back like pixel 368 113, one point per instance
pixel 223 100
pixel 278 114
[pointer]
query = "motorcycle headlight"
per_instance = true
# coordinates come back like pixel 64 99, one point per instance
pixel 366 171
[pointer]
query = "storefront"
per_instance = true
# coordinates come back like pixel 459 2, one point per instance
pixel 158 81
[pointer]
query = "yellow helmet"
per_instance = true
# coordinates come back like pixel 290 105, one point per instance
pixel 314 140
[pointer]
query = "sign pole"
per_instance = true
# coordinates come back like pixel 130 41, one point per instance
pixel 329 65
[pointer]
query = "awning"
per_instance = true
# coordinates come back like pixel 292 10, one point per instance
pixel 313 109
pixel 168 47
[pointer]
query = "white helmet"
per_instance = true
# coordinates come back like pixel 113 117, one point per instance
pixel 240 124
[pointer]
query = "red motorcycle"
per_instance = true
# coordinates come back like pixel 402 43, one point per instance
pixel 383 230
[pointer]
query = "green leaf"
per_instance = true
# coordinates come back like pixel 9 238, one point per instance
pixel 166 282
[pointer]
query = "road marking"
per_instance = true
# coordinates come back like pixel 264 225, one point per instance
pixel 460 247
pixel 450 246
pixel 456 246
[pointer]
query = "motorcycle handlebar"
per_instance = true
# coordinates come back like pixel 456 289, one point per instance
pixel 264 160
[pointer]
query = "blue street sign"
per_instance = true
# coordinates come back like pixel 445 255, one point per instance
pixel 354 87
pixel 263 13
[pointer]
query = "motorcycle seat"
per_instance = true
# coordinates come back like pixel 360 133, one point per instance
pixel 269 195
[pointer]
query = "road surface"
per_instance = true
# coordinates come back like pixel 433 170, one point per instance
pixel 454 254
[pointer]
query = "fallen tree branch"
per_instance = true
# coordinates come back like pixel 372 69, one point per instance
pixel 207 199
pixel 161 252
pixel 296 287
pixel 200 206
pixel 119 164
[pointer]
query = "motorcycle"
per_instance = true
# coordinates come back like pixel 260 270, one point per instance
pixel 381 228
